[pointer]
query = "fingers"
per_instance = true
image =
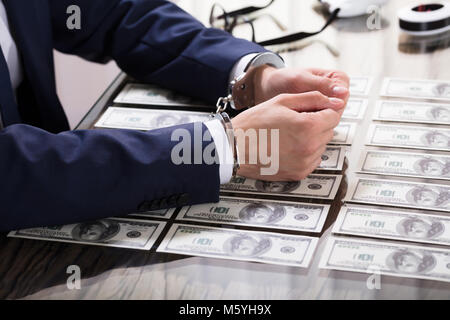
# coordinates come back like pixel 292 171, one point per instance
pixel 325 120
pixel 321 146
pixel 339 77
pixel 319 153
pixel 331 83
pixel 315 159
pixel 310 102
pixel 314 165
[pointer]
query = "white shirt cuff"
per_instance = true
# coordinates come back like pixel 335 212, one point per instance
pixel 241 65
pixel 223 149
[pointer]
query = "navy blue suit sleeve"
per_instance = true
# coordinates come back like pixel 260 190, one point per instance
pixel 49 179
pixel 154 41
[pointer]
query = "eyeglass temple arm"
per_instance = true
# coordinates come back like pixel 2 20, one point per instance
pixel 244 11
pixel 300 35
pixel 280 25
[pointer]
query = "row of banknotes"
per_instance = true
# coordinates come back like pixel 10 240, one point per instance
pixel 149 119
pixel 148 95
pixel 151 95
pixel 360 86
pixel 251 212
pixel 183 239
pixel 346 254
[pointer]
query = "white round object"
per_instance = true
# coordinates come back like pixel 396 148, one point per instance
pixel 425 18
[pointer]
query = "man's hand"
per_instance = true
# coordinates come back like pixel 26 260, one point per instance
pixel 306 125
pixel 270 82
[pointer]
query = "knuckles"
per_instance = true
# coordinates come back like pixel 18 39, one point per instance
pixel 282 98
pixel 306 122
pixel 317 96
pixel 309 148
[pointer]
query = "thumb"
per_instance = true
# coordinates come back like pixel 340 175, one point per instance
pixel 310 102
pixel 330 83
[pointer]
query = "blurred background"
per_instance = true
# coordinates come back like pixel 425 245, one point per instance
pixel 380 52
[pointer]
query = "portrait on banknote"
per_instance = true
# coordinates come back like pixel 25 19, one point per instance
pixel 442 90
pixel 428 196
pixel 439 113
pixel 276 187
pixel 260 213
pixel 411 261
pixel 169 120
pixel 420 228
pixel 432 167
pixel 101 230
pixel 245 245
pixel 436 139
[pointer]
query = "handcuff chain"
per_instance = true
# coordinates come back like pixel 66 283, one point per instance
pixel 222 104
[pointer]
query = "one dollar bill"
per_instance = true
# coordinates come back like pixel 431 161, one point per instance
pixel 318 186
pixel 147 119
pixel 409 137
pixel 386 258
pixel 113 232
pixel 240 245
pixel 146 94
pixel 418 89
pixel 393 224
pixel 400 194
pixel 403 111
pixel 418 165
pixel 284 215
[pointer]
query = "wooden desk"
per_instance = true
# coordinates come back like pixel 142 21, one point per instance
pixel 37 270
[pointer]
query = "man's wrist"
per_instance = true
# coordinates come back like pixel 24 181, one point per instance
pixel 261 81
pixel 240 66
pixel 243 86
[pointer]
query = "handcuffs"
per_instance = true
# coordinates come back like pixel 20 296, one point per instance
pixel 241 95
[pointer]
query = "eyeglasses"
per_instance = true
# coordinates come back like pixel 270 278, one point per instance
pixel 228 21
